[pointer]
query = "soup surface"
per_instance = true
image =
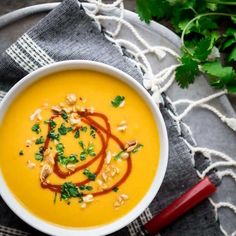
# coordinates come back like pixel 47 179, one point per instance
pixel 79 148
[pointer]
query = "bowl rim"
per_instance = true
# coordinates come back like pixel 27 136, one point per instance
pixel 53 229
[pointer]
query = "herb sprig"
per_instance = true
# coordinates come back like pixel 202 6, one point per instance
pixel 71 159
pixel 70 190
pixel 208 33
pixel 117 101
pixel 86 151
pixel 89 174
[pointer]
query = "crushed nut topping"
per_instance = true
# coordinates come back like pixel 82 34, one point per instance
pixel 88 198
pixel 30 164
pixel 114 171
pixel 131 145
pixel 45 105
pixel 70 167
pixel 104 176
pixel 71 99
pixel 36 116
pixel 83 109
pixel 122 126
pixel 120 200
pixel 56 108
pixel 68 109
pixel 83 205
pixel 74 119
pixel 91 109
pixel 49 156
pixel 125 155
pixel 46 170
pixel 74 109
pixel 28 143
pixel 108 157
pixel 101 184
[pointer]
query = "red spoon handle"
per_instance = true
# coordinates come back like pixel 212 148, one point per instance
pixel 181 205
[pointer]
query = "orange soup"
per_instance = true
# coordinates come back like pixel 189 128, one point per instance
pixel 79 148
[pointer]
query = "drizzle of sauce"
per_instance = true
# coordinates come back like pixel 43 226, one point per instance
pixel 105 136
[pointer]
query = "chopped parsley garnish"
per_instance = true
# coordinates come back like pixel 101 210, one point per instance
pixel 81 144
pixel 118 155
pixel 90 175
pixel 38 156
pixel 137 148
pixel 21 153
pixel 85 187
pixel 89 151
pixel 51 122
pixel 72 159
pixel 63 130
pixel 60 149
pixel 36 128
pixel 64 115
pixel 77 134
pixel 83 128
pixel 40 140
pixel 117 101
pixel 92 132
pixel 70 190
pixel 83 156
pixel 53 135
pixel 115 189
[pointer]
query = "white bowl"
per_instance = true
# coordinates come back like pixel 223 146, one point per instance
pixel 52 229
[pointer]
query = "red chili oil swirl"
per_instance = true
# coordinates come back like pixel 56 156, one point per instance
pixel 105 136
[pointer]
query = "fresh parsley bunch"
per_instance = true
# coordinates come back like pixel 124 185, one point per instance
pixel 208 33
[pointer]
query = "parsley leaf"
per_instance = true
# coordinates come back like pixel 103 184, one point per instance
pixel 77 134
pixel 53 135
pixel 87 151
pixel 63 130
pixel 137 148
pixel 60 148
pixel 232 55
pixel 36 128
pixel 221 76
pixel 85 187
pixel 38 156
pixel 81 144
pixel 70 190
pixel 51 122
pixel 118 155
pixel 89 174
pixel 92 132
pixel 72 159
pixel 117 101
pixel 40 140
pixel 186 72
pixel 203 49
pixel 115 189
pixel 64 115
pixel 147 9
pixel 83 128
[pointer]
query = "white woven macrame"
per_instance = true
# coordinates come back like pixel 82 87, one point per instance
pixel 161 82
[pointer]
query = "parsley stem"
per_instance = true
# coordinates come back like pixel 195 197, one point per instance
pixel 197 18
pixel 222 2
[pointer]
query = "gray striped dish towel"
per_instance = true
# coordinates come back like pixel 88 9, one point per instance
pixel 68 33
